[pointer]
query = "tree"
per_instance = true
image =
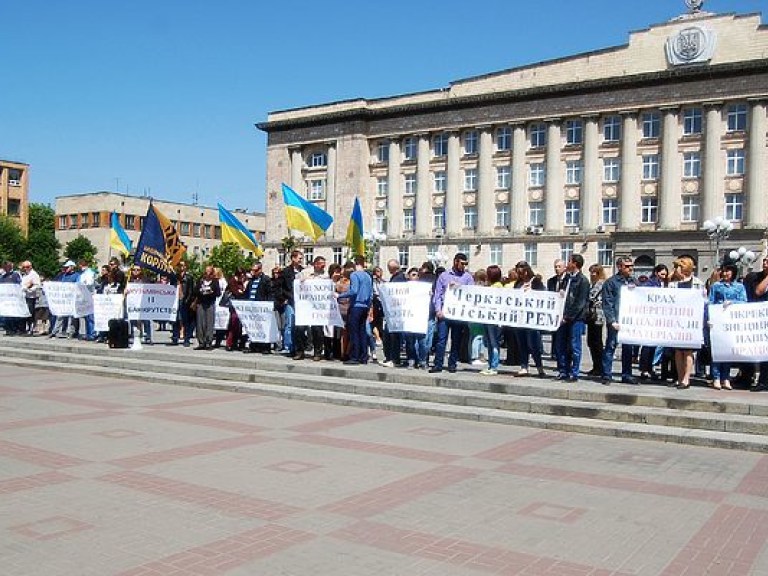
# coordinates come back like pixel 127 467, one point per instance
pixel 12 241
pixel 229 258
pixel 42 246
pixel 80 248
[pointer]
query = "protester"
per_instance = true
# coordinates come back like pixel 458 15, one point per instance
pixel 236 290
pixel 13 326
pixel 529 339
pixel 456 276
pixel 184 327
pixel 139 276
pixel 393 341
pixel 88 279
pixel 493 331
pixel 63 324
pixel 207 291
pixel 361 294
pixel 725 292
pixel 315 333
pixel 652 355
pixel 571 331
pixel 31 289
pixel 596 319
pixel 611 300
pixel 286 297
pixel 684 279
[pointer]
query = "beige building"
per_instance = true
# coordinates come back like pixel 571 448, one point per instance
pixel 624 150
pixel 14 192
pixel 89 215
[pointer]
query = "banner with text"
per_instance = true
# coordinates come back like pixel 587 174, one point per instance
pixel 406 306
pixel 258 319
pixel 534 309
pixel 668 317
pixel 151 302
pixel 105 308
pixel 68 299
pixel 316 303
pixel 221 320
pixel 739 332
pixel 12 301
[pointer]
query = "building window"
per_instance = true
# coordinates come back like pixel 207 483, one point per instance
pixel 502 215
pixel 573 172
pixel 185 229
pixel 381 221
pixel 439 181
pixel 404 256
pixel 692 121
pixel 536 213
pixel 337 255
pixel 690 209
pixel 438 220
pixel 605 254
pixel 566 250
pixel 317 189
pixel 504 139
pixel 651 125
pixel 410 148
pixel 409 220
pixel 503 177
pixel 574 132
pixel 207 230
pixel 14 176
pixel 14 207
pixel 537 174
pixel 571 212
pixel 382 187
pixel 735 162
pixel 737 117
pixel 62 222
pixel 692 164
pixel 734 207
pixel 196 230
pixel 470 179
pixel 318 160
pixel 651 167
pixel 538 135
pixel 141 222
pixel 610 214
pixel 95 219
pixel 309 256
pixel 470 142
pixel 130 222
pixel 612 128
pixel 611 169
pixel 85 220
pixel 470 217
pixel 531 253
pixel 382 151
pixel 72 221
pixel 410 185
pixel 495 254
pixel 649 211
pixel 440 145
pixel 217 233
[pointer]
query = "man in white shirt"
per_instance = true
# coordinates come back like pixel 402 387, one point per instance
pixel 30 287
pixel 88 279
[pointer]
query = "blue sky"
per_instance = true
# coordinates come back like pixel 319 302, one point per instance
pixel 161 96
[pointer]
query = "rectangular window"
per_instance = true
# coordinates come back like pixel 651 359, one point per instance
pixel 318 160
pixel 207 231
pixel 309 256
pixel 496 254
pixel 502 215
pixel 381 221
pixel 470 179
pixel 571 212
pixel 63 222
pixel 439 181
pixel 574 132
pixel 440 145
pixel 504 139
pixel 470 217
pixel 409 220
pixel 14 176
pixel 538 135
pixel 317 189
pixel 612 128
pixel 410 148
pixel 734 207
pixel 337 255
pixel 610 214
pixel 95 219
pixel 410 185
pixel 692 164
pixel 651 125
pixel 736 115
pixel 382 151
pixel 605 254
pixel 651 167
pixel 196 230
pixel 130 222
pixel 690 211
pixel 503 177
pixel 566 250
pixel 531 253
pixel 692 121
pixel 735 162
pixel 85 220
pixel 217 234
pixel 438 220
pixel 537 174
pixel 611 169
pixel 184 229
pixel 573 172
pixel 14 207
pixel 536 213
pixel 404 256
pixel 470 142
pixel 649 210
pixel 382 187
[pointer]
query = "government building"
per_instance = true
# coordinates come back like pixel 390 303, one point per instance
pixel 621 151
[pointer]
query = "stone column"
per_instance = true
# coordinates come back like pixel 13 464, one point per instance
pixel 394 193
pixel 756 203
pixel 486 206
pixel 297 182
pixel 454 207
pixel 553 195
pixel 424 189
pixel 330 194
pixel 629 184
pixel 590 196
pixel 670 203
pixel 518 196
pixel 711 197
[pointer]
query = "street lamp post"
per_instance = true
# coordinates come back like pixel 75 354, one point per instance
pixel 743 258
pixel 718 230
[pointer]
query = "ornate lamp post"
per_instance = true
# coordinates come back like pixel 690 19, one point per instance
pixel 743 258
pixel 373 240
pixel 718 230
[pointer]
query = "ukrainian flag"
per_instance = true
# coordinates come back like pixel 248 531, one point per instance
pixel 232 230
pixel 355 230
pixel 118 239
pixel 304 216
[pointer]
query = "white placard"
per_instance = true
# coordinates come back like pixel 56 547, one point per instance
pixel 151 302
pixel 221 321
pixel 12 301
pixel 61 297
pixel 316 303
pixel 406 306
pixel 668 317
pixel 83 301
pixel 739 332
pixel 520 308
pixel 105 308
pixel 258 319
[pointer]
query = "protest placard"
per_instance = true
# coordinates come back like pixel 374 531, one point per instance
pixel 316 303
pixel 61 297
pixel 151 301
pixel 258 319
pixel 221 319
pixel 739 332
pixel 406 306
pixel 106 307
pixel 12 302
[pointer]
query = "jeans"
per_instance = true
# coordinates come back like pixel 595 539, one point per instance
pixel 568 338
pixel 529 344
pixel 493 334
pixel 358 317
pixel 721 371
pixel 611 342
pixel 444 328
pixel 288 319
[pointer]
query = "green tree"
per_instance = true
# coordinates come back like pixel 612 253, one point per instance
pixel 80 248
pixel 42 246
pixel 229 258
pixel 12 241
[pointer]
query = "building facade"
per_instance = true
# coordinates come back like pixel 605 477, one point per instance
pixel 89 215
pixel 625 150
pixel 14 192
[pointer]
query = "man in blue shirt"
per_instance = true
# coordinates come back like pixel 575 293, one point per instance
pixel 361 295
pixel 456 276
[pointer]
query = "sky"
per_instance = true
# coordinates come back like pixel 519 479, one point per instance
pixel 161 97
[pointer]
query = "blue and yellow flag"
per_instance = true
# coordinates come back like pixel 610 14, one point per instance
pixel 118 238
pixel 159 248
pixel 304 216
pixel 355 230
pixel 232 230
